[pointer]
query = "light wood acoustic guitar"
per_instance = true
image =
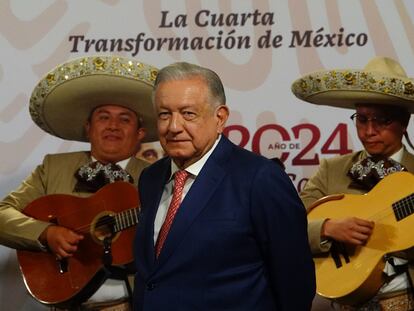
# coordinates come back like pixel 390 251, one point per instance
pixel 106 219
pixel 352 275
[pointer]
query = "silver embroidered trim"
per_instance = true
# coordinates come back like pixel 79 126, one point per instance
pixel 89 173
pixel 361 171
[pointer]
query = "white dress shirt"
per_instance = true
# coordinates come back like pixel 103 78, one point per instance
pixel 194 169
pixel 111 289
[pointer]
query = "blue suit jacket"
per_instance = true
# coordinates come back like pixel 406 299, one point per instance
pixel 238 241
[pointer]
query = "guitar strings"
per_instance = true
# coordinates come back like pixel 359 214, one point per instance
pixel 86 228
pixel 389 210
pixel 109 220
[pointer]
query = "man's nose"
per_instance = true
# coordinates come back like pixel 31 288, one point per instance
pixel 175 124
pixel 371 127
pixel 113 123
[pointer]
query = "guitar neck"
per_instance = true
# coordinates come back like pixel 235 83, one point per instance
pixel 126 219
pixel 404 207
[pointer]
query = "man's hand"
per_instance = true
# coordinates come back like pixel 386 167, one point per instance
pixel 350 230
pixel 61 241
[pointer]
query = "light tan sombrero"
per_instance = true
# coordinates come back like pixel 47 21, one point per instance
pixel 64 99
pixel 382 81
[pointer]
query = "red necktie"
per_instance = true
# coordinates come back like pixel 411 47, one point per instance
pixel 179 181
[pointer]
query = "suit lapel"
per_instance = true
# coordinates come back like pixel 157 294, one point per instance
pixel 197 198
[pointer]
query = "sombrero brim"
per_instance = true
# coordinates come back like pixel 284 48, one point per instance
pixel 347 88
pixel 64 99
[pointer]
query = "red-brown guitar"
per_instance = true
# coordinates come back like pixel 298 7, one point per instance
pixel 110 213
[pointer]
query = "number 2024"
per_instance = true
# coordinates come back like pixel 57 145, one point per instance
pixel 302 158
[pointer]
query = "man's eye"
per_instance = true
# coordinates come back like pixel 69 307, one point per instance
pixel 125 120
pixel 163 115
pixel 362 119
pixel 188 115
pixel 384 121
pixel 103 117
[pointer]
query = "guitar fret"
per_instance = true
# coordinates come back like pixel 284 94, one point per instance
pixel 398 211
pixel 116 227
pixel 123 221
pixel 126 219
pixel 129 218
pixel 407 210
pixel 403 207
pixel 136 215
pixel 125 216
pixel 127 225
pixel 410 201
pixel 119 222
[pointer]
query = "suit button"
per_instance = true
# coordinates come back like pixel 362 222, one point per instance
pixel 150 286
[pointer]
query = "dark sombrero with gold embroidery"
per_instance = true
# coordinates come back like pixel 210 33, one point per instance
pixel 382 81
pixel 64 99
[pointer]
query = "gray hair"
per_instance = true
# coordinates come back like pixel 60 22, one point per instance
pixel 183 70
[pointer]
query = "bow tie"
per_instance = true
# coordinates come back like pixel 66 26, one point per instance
pixel 93 176
pixel 365 174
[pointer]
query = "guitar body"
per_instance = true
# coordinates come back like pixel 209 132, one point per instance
pixel 84 271
pixel 357 275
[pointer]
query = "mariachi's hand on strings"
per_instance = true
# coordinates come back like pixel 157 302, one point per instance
pixel 61 241
pixel 352 230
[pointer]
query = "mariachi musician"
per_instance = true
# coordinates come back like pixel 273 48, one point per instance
pixel 382 97
pixel 103 100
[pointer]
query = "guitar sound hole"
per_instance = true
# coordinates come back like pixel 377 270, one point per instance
pixel 104 228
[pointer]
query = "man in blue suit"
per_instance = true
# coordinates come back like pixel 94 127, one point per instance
pixel 238 240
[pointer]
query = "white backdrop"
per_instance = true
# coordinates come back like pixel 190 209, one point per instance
pixel 257 55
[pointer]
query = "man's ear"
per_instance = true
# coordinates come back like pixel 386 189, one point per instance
pixel 141 134
pixel 222 114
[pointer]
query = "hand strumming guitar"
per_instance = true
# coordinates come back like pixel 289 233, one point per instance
pixel 350 230
pixel 61 241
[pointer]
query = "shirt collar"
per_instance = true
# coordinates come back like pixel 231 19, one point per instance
pixel 195 168
pixel 396 156
pixel 123 164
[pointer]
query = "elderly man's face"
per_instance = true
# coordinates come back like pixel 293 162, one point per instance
pixel 380 134
pixel 114 133
pixel 188 126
